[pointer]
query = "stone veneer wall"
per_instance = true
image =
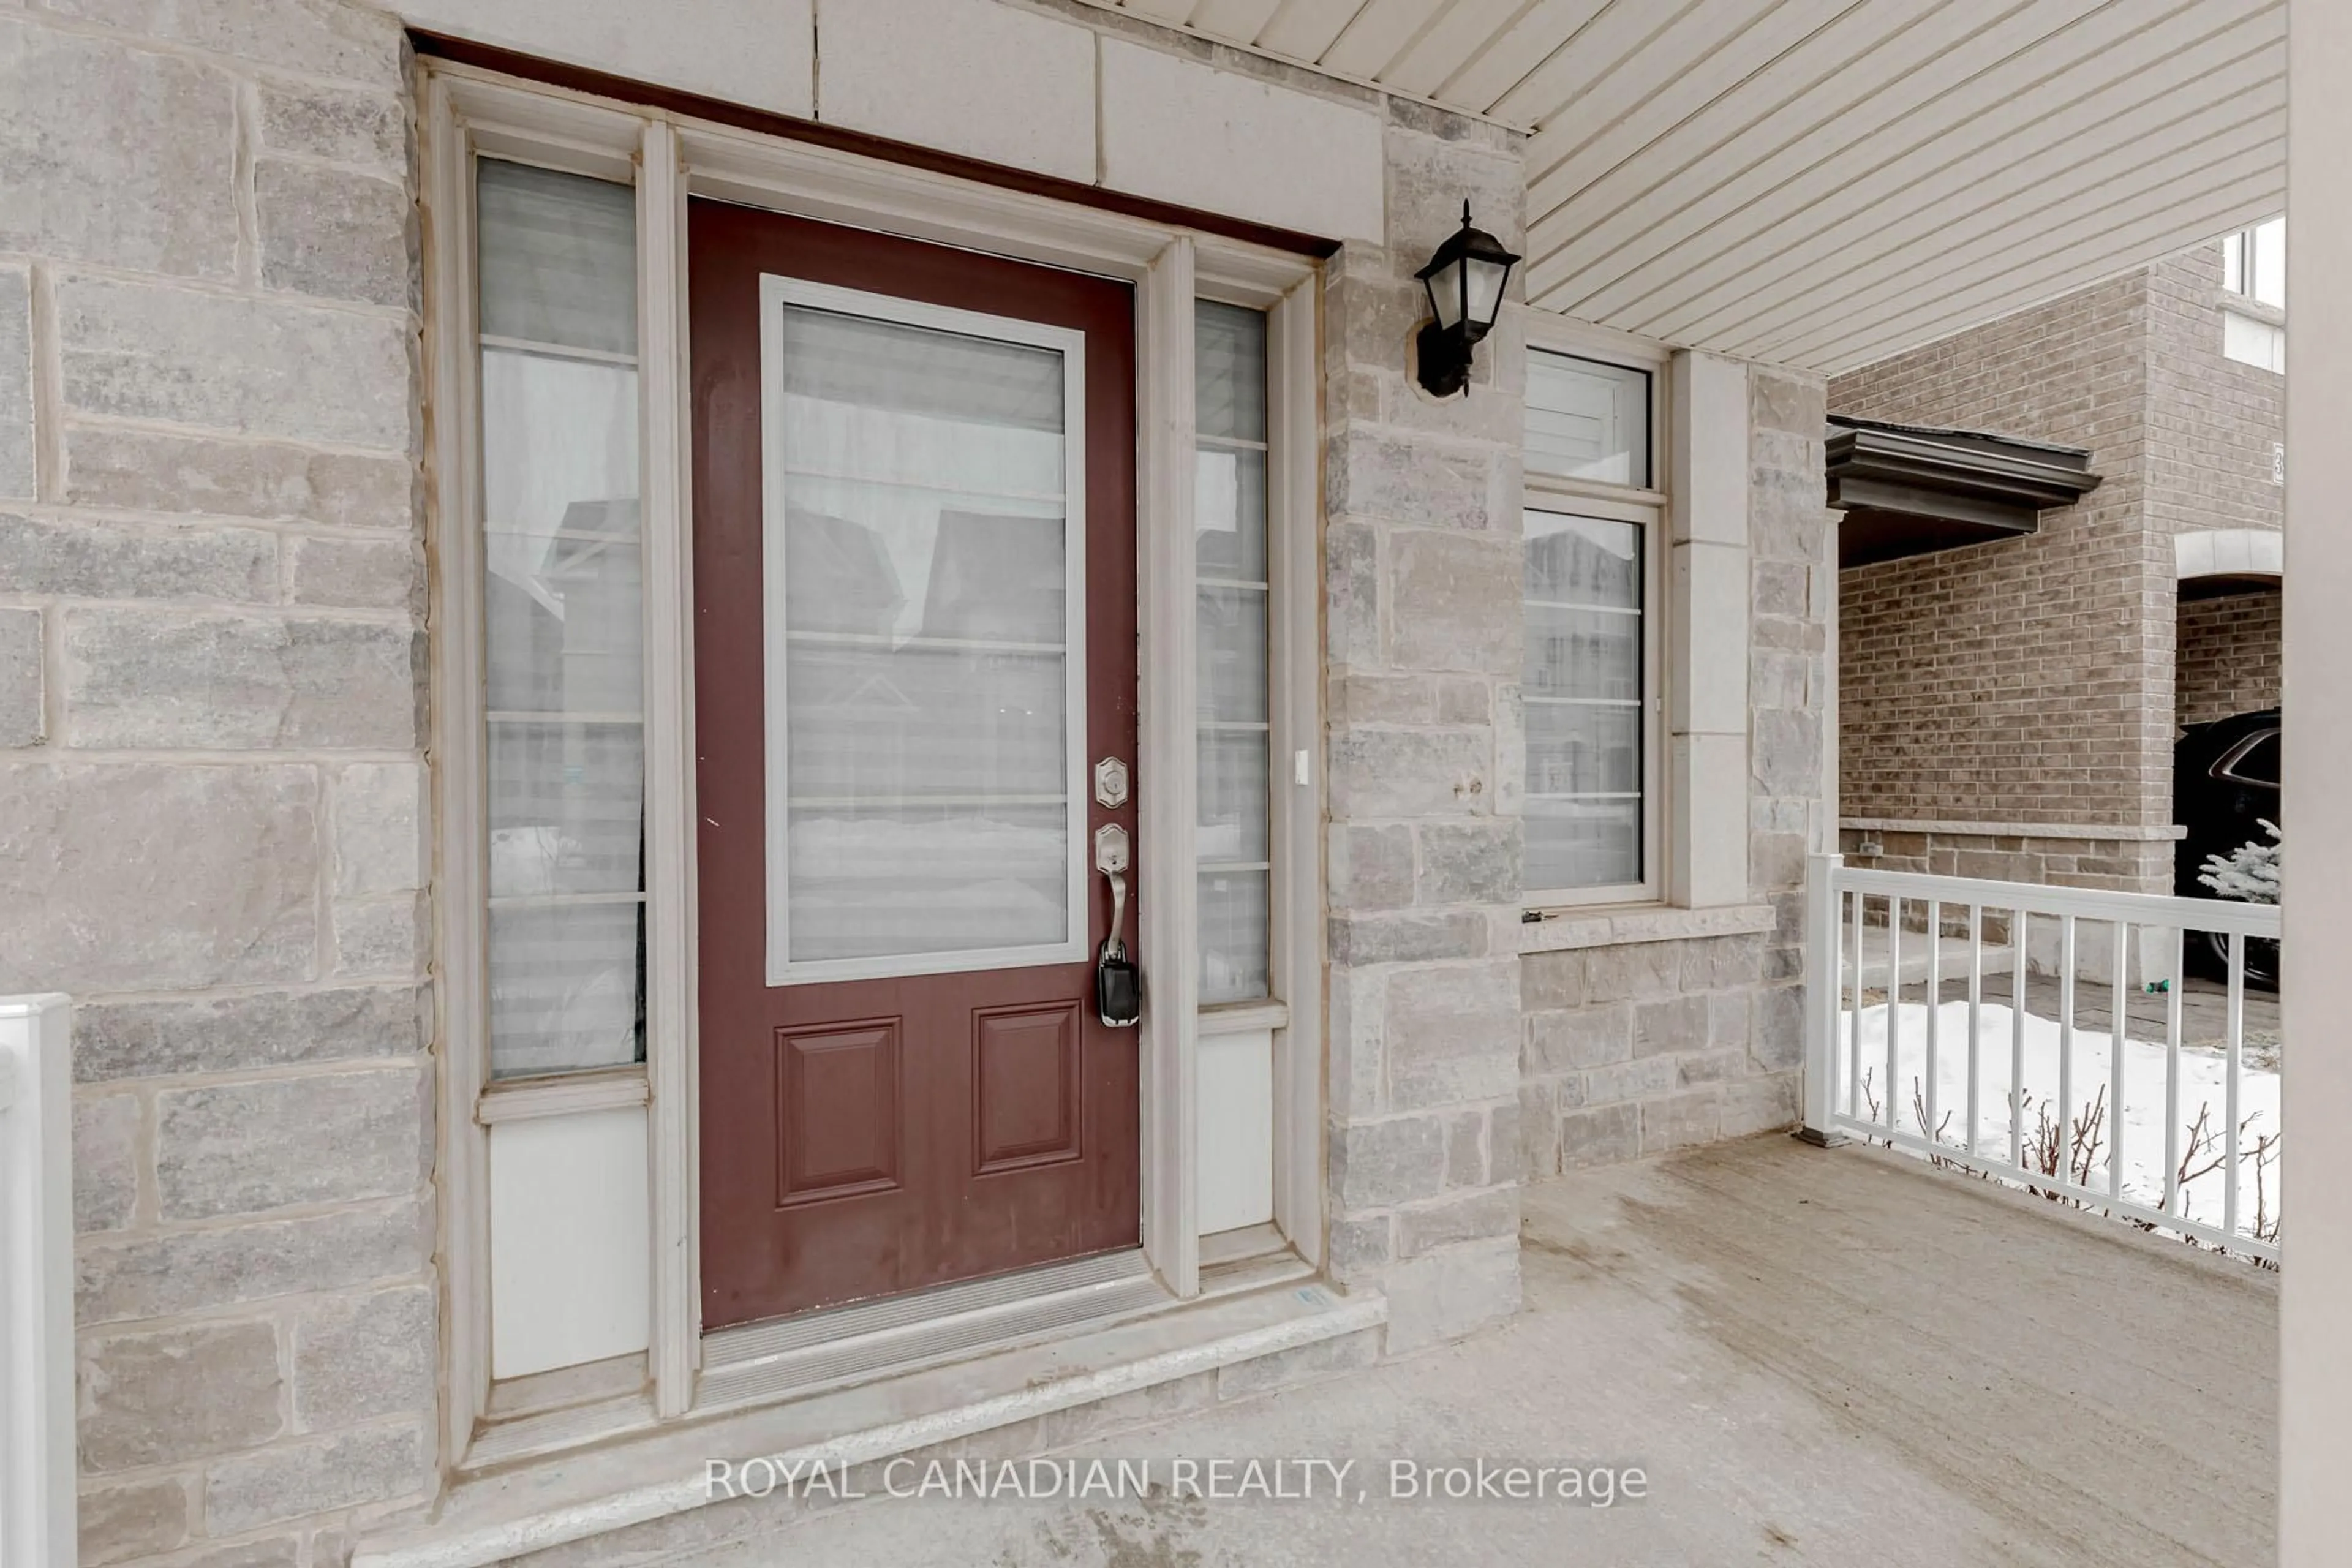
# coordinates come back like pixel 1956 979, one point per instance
pixel 1646 1032
pixel 1422 573
pixel 2227 658
pixel 213 792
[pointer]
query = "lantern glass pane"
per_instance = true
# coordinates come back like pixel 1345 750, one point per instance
pixel 1487 291
pixel 1445 293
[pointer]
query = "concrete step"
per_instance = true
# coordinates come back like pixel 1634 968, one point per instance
pixel 645 1494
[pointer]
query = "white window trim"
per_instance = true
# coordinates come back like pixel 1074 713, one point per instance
pixel 1649 506
pixel 1077 761
pixel 468 110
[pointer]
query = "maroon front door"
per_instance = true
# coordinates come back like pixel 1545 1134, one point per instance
pixel 914 637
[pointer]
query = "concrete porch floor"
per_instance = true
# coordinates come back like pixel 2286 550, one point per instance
pixel 1818 1357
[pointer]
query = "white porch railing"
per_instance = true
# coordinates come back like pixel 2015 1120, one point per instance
pixel 36 1329
pixel 2008 1079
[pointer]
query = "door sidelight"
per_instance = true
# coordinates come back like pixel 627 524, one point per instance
pixel 1119 985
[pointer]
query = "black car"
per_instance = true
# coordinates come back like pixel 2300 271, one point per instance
pixel 2225 785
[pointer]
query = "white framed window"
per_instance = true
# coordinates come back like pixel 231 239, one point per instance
pixel 1593 688
pixel 1234 575
pixel 2253 263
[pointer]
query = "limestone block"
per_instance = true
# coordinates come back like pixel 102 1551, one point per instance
pixel 1633 972
pixel 237 1034
pixel 1378 1165
pixel 1369 867
pixel 380 828
pixel 155 1399
pixel 138 1519
pixel 1413 937
pixel 1714 962
pixel 1411 773
pixel 246 1147
pixel 1351 594
pixel 1478 1216
pixel 1786 752
pixel 1549 981
pixel 365 573
pixel 1417 481
pixel 147 187
pixel 1603 1135
pixel 1779 1034
pixel 368 1465
pixel 1465 1149
pixel 1186 132
pixel 136 678
pixel 316 37
pixel 16 479
pixel 1453 1034
pixel 23 720
pixel 105 1160
pixel 990 81
pixel 1636 1080
pixel 1469 862
pixel 1451 1292
pixel 335 233
pixel 1727 1019
pixel 150 470
pixel 1359 1008
pixel 93 559
pixel 1357 1245
pixel 382 937
pixel 1429 177
pixel 1455 602
pixel 1766 1103
pixel 179 1271
pixel 1679 1121
pixel 1779 401
pixel 1674 1023
pixel 1710 1066
pixel 1539 1144
pixel 153 878
pixel 1565 1042
pixel 271 368
pixel 333 122
pixel 357 1358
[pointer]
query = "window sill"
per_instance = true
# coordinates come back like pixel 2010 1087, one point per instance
pixel 1560 931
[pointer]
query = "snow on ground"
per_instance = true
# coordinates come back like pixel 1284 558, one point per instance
pixel 2203 1089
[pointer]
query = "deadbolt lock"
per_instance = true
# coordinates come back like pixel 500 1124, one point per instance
pixel 1110 784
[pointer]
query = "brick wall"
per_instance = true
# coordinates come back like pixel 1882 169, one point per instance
pixel 211 652
pixel 2010 681
pixel 2229 659
pixel 2032 681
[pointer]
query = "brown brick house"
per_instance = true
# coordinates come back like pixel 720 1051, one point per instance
pixel 2008 708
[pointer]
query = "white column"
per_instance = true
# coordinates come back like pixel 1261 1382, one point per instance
pixel 2315 1386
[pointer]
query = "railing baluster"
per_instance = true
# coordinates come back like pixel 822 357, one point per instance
pixel 1928 1123
pixel 2174 986
pixel 2065 1133
pixel 1894 996
pixel 1975 1007
pixel 2017 967
pixel 2119 1016
pixel 2236 1056
pixel 1853 1021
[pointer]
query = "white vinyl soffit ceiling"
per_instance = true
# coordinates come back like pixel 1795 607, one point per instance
pixel 1825 182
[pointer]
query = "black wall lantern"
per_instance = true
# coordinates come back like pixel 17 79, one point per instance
pixel 1465 280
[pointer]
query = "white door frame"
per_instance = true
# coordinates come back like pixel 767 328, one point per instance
pixel 669 157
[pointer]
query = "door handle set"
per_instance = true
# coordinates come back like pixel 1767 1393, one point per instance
pixel 1118 983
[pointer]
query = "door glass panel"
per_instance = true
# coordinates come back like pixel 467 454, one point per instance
pixel 1230 535
pixel 922 618
pixel 562 628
